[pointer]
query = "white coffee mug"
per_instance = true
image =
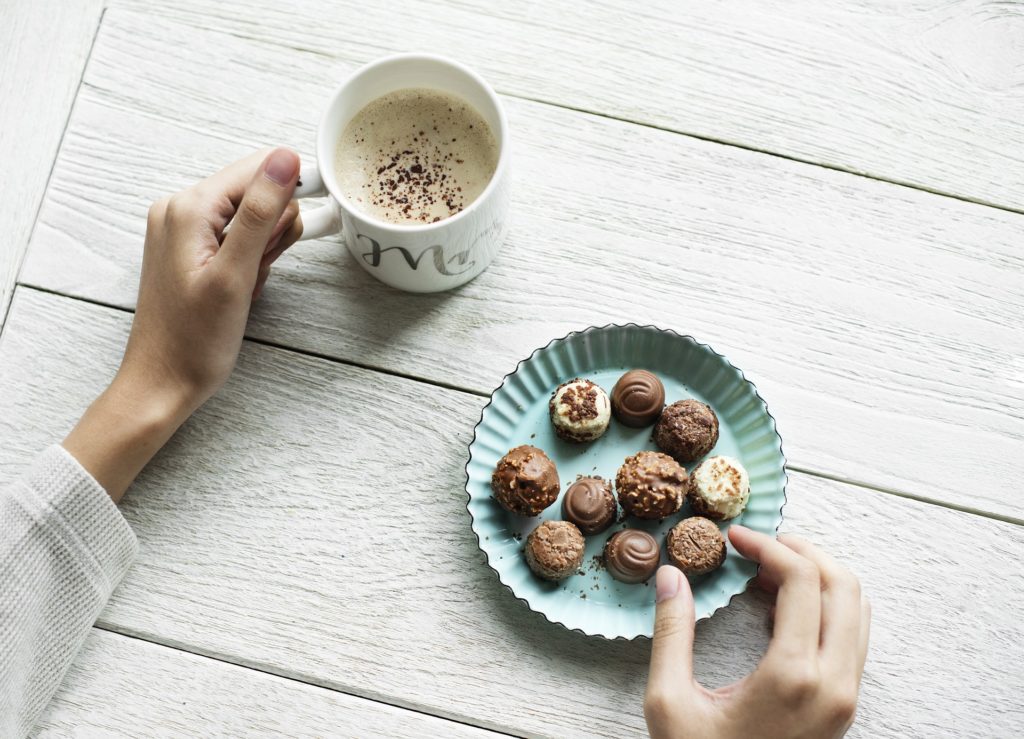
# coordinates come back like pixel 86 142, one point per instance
pixel 423 258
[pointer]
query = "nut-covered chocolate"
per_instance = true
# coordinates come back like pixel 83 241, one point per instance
pixel 580 411
pixel 631 555
pixel 554 550
pixel 695 545
pixel 525 481
pixel 651 485
pixel 687 429
pixel 590 504
pixel 638 398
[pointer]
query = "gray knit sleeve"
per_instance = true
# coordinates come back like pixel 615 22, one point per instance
pixel 64 546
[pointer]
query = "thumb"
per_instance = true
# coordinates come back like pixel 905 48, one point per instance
pixel 263 203
pixel 672 647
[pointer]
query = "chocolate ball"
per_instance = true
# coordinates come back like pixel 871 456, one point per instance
pixel 580 411
pixel 638 398
pixel 651 485
pixel 631 555
pixel 525 481
pixel 590 505
pixel 687 429
pixel 696 546
pixel 719 488
pixel 554 550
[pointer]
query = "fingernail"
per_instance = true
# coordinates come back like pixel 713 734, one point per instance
pixel 282 166
pixel 667 583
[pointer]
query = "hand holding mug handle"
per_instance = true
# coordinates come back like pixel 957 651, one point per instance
pixel 316 222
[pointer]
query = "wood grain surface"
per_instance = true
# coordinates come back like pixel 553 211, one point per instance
pixel 42 55
pixel 120 686
pixel 310 521
pixel 930 92
pixel 881 323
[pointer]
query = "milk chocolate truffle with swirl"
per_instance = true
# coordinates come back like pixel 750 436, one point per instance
pixel 525 481
pixel 590 505
pixel 638 398
pixel 631 555
pixel 651 485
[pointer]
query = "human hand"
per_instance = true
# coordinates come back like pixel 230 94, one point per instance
pixel 807 683
pixel 195 292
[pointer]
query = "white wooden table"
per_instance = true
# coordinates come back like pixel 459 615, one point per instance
pixel 856 169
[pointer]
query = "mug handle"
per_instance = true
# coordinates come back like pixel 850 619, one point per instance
pixel 316 222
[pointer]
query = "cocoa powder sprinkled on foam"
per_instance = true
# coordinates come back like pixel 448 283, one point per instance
pixel 409 167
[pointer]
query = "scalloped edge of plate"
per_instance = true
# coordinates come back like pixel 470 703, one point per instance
pixel 504 381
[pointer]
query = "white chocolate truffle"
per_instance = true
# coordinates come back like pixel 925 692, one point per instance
pixel 719 488
pixel 580 410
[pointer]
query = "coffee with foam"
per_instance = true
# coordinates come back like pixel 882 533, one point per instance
pixel 415 156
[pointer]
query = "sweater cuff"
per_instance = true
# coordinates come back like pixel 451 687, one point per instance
pixel 77 509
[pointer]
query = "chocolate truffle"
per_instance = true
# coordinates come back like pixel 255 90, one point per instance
pixel 687 429
pixel 554 550
pixel 719 488
pixel 590 505
pixel 696 546
pixel 631 555
pixel 651 485
pixel 525 481
pixel 637 398
pixel 580 410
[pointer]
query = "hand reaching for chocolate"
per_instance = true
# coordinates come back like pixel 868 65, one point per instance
pixel 808 680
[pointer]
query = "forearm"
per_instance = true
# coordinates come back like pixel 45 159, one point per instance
pixel 124 427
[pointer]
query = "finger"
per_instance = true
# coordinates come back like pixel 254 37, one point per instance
pixel 280 245
pixel 672 647
pixel 261 281
pixel 231 181
pixel 265 200
pixel 840 603
pixel 865 633
pixel 798 603
pixel 291 213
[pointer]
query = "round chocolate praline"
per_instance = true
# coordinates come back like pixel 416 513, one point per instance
pixel 651 485
pixel 719 488
pixel 590 504
pixel 580 411
pixel 638 398
pixel 554 550
pixel 631 555
pixel 525 481
pixel 687 429
pixel 696 546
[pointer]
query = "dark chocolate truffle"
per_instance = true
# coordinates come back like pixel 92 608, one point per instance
pixel 554 550
pixel 580 411
pixel 638 398
pixel 696 546
pixel 525 481
pixel 687 429
pixel 651 485
pixel 631 555
pixel 590 505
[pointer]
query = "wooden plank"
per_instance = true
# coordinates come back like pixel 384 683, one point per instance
pixel 310 521
pixel 42 55
pixel 882 324
pixel 127 687
pixel 929 94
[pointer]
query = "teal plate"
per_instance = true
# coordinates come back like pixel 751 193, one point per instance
pixel 592 602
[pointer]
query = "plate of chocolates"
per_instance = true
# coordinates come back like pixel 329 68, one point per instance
pixel 610 452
